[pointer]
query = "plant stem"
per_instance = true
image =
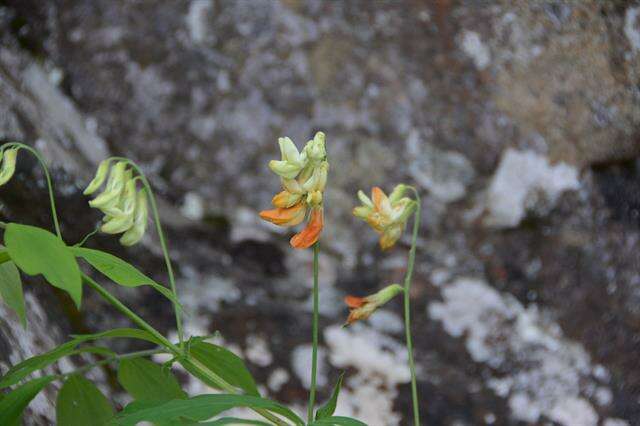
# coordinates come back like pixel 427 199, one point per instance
pixel 111 359
pixel 52 201
pixel 314 353
pixel 407 307
pixel 132 315
pixel 173 348
pixel 163 244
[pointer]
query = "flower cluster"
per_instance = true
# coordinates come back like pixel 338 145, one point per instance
pixel 8 159
pixel 124 206
pixel 304 177
pixel 387 215
pixel 361 308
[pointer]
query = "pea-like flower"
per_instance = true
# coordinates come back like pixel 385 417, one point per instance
pixel 361 308
pixel 124 206
pixel 386 215
pixel 304 178
pixel 8 168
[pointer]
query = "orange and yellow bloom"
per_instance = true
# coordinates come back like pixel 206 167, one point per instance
pixel 386 215
pixel 304 177
pixel 361 308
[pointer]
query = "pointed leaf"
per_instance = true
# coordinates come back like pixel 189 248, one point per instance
pixel 327 409
pixel 337 421
pixel 232 421
pixel 14 403
pixel 147 381
pixel 120 271
pixel 222 362
pixel 36 251
pixel 11 290
pixel 81 403
pixel 201 407
pixel 131 333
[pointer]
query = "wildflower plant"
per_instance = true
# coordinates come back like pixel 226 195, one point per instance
pixel 124 196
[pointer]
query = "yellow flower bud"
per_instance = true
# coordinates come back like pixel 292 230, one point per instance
pixel 314 198
pixel 315 148
pixel 284 169
pixel 115 185
pixel 124 220
pixel 397 193
pixel 100 177
pixel 318 179
pixel 136 232
pixel 8 165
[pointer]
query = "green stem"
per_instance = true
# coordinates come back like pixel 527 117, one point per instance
pixel 314 353
pixel 173 348
pixel 407 308
pixel 132 315
pixel 84 369
pixel 163 244
pixel 52 201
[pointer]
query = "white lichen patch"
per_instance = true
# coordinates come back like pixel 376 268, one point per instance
pixel 523 180
pixel 632 27
pixel 197 20
pixel 278 378
pixel 193 206
pixel 547 372
pixel 473 46
pixel 381 364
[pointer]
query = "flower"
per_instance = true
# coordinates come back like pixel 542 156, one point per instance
pixel 361 308
pixel 304 177
pixel 386 215
pixel 8 158
pixel 124 206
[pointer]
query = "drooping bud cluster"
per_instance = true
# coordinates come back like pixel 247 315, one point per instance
pixel 124 206
pixel 386 215
pixel 7 169
pixel 304 177
pixel 361 308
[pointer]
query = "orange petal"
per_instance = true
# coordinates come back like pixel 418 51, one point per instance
pixel 285 217
pixel 310 234
pixel 378 197
pixel 354 301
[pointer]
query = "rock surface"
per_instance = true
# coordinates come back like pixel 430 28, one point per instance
pixel 519 121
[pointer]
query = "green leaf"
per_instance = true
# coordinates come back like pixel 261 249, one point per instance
pixel 13 403
pixel 232 421
pixel 132 333
pixel 36 251
pixel 337 421
pixel 81 403
pixel 201 407
pixel 147 381
pixel 120 271
pixel 223 363
pixel 327 409
pixel 28 366
pixel 38 362
pixel 4 256
pixel 11 290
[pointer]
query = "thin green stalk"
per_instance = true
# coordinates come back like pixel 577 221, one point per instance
pixel 314 353
pixel 132 315
pixel 173 348
pixel 108 360
pixel 163 245
pixel 52 201
pixel 407 308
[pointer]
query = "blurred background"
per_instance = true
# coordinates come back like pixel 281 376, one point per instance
pixel 519 121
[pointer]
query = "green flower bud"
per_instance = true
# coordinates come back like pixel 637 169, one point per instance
pixel 397 193
pixel 124 220
pixel 315 149
pixel 284 169
pixel 136 232
pixel 318 179
pixel 8 165
pixel 365 200
pixel 100 177
pixel 115 184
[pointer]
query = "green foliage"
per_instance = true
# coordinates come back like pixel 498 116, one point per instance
pixel 14 403
pixel 198 408
pixel 232 421
pixel 328 409
pixel 119 271
pixel 11 290
pixel 130 333
pixel 147 381
pixel 36 251
pixel 80 403
pixel 38 362
pixel 223 363
pixel 337 421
